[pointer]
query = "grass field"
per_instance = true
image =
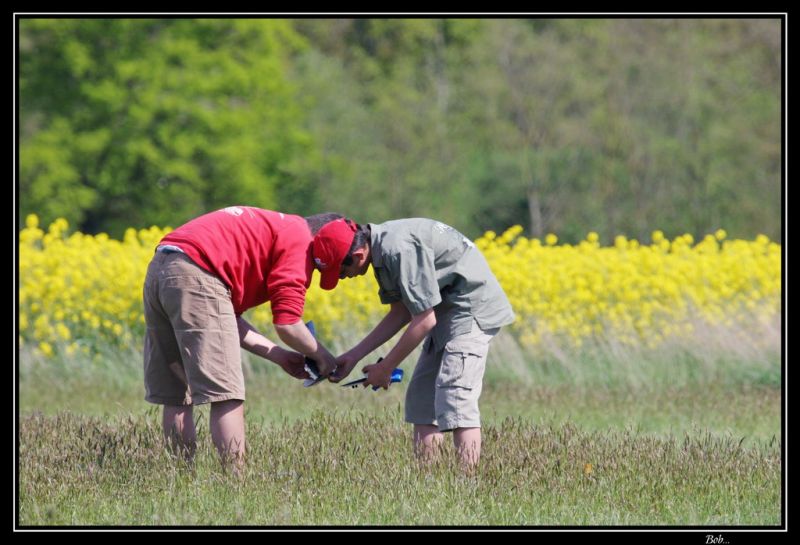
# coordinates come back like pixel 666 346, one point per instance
pixel 684 440
pixel 354 468
pixel 640 385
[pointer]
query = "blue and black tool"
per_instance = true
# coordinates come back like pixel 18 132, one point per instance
pixel 311 365
pixel 397 376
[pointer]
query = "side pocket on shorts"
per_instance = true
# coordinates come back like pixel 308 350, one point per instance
pixel 222 293
pixel 187 299
pixel 460 363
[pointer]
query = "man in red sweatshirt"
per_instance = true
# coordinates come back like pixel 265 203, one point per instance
pixel 203 276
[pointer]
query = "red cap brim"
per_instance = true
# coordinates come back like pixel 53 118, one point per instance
pixel 329 278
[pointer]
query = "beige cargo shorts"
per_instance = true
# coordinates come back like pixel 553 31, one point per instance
pixel 191 344
pixel 446 384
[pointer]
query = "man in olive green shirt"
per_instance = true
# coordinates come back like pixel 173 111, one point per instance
pixel 438 282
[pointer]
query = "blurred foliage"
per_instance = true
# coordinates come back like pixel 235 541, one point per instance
pixel 137 122
pixel 558 125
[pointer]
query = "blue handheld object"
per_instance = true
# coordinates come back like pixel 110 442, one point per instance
pixel 397 376
pixel 309 361
pixel 311 365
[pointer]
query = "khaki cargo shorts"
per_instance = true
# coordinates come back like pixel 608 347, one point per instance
pixel 447 383
pixel 191 346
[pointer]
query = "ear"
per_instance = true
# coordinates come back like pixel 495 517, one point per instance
pixel 360 255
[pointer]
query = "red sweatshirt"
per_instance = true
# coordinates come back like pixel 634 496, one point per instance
pixel 260 254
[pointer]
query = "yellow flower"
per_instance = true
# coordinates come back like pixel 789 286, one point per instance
pixel 63 331
pixel 46 349
pixel 90 287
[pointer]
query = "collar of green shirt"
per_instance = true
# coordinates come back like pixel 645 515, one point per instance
pixel 375 244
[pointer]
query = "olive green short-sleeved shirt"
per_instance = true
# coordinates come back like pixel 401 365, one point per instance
pixel 426 264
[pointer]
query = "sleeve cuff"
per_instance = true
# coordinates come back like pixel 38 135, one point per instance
pixel 418 307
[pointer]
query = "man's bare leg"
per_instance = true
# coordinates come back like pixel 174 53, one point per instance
pixel 427 443
pixel 468 445
pixel 227 430
pixel 179 430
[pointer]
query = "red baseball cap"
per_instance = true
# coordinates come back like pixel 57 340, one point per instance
pixel 331 245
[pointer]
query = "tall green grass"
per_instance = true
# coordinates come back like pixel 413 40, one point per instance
pixel 356 469
pixel 741 407
pixel 604 436
pixel 727 355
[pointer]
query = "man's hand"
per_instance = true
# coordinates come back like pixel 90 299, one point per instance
pixel 291 362
pixel 344 366
pixel 298 337
pixel 378 374
pixel 326 364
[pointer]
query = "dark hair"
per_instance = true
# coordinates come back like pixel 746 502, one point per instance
pixel 361 238
pixel 318 221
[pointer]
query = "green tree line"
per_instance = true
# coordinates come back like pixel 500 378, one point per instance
pixel 619 125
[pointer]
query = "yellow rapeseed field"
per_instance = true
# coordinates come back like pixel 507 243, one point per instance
pixel 77 289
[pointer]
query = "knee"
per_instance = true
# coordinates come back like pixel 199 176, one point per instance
pixel 426 433
pixel 227 406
